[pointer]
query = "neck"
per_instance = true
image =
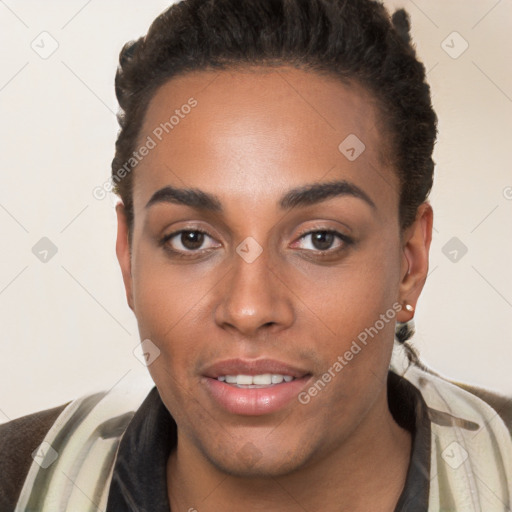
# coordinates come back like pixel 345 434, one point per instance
pixel 366 472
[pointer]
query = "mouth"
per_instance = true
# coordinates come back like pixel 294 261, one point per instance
pixel 253 387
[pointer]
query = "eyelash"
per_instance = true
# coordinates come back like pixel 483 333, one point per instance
pixel 347 241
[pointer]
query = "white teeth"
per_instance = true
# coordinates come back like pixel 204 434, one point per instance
pixel 244 379
pixel 265 379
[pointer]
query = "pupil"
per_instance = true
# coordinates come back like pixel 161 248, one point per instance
pixel 322 240
pixel 192 239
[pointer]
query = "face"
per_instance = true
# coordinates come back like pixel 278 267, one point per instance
pixel 243 277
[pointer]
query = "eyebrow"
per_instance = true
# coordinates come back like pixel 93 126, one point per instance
pixel 305 195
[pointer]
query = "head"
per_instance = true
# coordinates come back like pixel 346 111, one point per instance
pixel 278 211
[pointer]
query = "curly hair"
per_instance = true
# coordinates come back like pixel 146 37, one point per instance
pixel 355 41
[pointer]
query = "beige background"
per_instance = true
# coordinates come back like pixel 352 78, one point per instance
pixel 66 327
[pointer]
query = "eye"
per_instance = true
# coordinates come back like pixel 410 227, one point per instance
pixel 191 242
pixel 322 241
pixel 186 241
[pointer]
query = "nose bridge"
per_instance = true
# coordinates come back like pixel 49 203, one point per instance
pixel 253 297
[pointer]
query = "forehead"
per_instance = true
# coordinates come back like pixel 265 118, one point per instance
pixel 252 134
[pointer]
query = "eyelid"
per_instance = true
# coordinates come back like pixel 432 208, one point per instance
pixel 315 229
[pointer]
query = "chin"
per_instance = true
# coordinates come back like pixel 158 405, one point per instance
pixel 264 468
pixel 253 461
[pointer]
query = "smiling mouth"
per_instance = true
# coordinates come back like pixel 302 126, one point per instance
pixel 254 395
pixel 253 387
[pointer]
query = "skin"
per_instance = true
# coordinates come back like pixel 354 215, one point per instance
pixel 255 134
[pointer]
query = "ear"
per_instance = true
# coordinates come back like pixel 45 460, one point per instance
pixel 123 252
pixel 415 251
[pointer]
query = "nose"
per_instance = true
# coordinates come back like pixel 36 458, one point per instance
pixel 254 297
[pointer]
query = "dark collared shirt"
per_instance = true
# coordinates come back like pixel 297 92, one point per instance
pixel 139 481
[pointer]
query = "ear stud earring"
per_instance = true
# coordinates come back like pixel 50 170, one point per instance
pixel 405 330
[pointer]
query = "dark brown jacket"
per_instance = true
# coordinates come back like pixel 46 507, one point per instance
pixel 18 439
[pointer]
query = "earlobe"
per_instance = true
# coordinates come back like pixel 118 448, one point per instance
pixel 123 252
pixel 415 259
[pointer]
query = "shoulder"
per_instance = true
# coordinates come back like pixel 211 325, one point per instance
pixel 500 402
pixel 18 439
pixel 100 416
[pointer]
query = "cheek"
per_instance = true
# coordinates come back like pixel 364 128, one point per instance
pixel 168 306
pixel 341 301
pixel 354 322
pixel 356 364
pixel 165 295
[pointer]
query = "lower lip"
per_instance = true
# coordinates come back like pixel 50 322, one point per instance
pixel 254 401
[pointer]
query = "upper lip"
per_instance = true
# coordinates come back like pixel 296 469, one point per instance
pixel 253 367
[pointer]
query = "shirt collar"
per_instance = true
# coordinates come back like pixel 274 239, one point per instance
pixel 411 412
pixel 139 482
